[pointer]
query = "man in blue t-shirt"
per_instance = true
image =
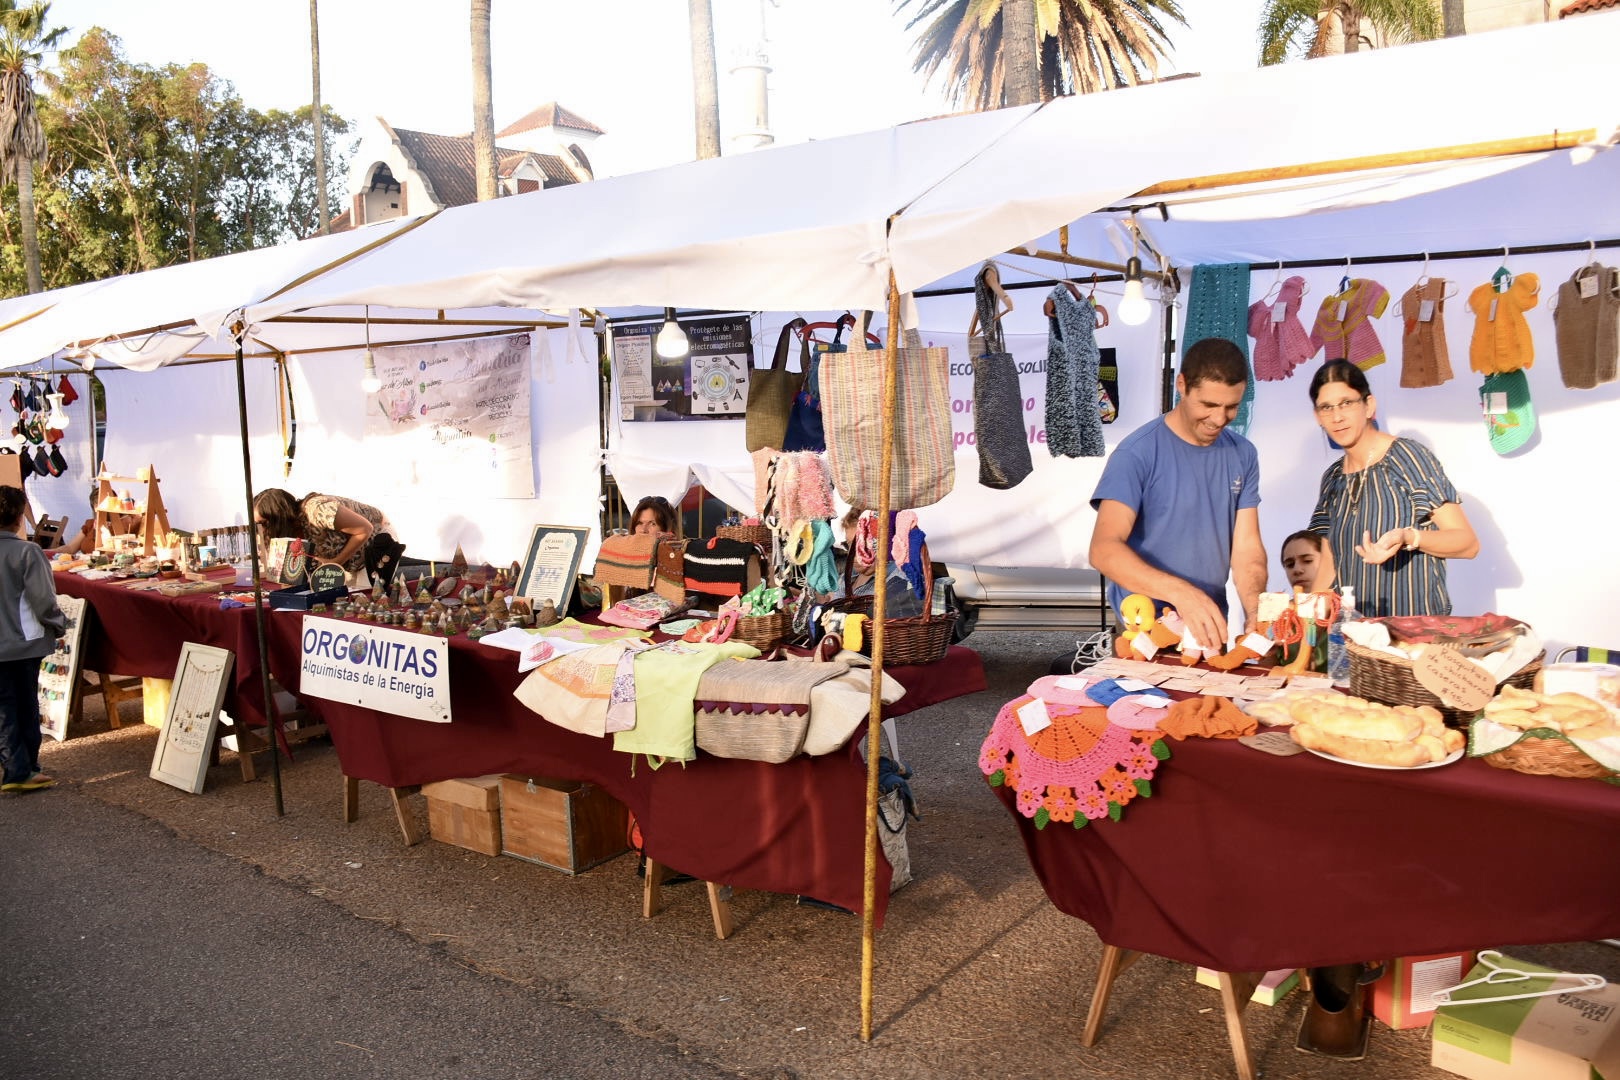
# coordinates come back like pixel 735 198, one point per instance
pixel 1178 502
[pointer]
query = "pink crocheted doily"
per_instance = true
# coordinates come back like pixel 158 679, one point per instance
pixel 1080 769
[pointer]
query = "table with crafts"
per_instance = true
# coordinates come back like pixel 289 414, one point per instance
pixel 1246 862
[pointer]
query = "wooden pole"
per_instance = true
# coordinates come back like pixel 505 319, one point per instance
pixel 1533 144
pixel 874 718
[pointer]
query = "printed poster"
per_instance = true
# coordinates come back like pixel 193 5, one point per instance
pixel 453 416
pixel 709 383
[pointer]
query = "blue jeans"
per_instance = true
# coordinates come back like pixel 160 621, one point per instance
pixel 19 718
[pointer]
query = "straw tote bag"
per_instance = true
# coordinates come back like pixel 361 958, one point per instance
pixel 924 466
pixel 771 392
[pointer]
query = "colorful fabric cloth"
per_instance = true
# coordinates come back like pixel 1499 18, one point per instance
pixel 1502 340
pixel 1425 356
pixel 1081 768
pixel 1400 490
pixel 666 683
pixel 1344 326
pixel 1280 341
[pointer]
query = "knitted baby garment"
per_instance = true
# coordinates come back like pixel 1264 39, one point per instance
pixel 1502 339
pixel 1073 418
pixel 1425 358
pixel 1280 341
pixel 1344 324
pixel 1587 322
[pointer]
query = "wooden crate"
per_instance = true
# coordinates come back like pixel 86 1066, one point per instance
pixel 565 824
pixel 466 813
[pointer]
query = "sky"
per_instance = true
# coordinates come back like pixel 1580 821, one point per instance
pixel 838 66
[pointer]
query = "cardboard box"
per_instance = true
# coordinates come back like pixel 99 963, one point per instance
pixel 564 824
pixel 466 813
pixel 1571 1036
pixel 1401 998
pixel 1271 989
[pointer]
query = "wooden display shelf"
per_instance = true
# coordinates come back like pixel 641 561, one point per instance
pixel 154 523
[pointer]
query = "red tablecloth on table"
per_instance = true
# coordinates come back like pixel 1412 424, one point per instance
pixel 1243 861
pixel 796 827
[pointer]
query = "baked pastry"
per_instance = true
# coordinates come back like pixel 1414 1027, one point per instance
pixel 1573 714
pixel 1359 730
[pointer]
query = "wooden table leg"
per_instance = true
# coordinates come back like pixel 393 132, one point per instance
pixel 351 799
pixel 1114 961
pixel 720 909
pixel 1236 989
pixel 652 898
pixel 409 827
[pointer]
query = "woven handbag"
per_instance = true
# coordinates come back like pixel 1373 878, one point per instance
pixel 669 574
pixel 721 567
pixel 924 463
pixel 920 639
pixel 998 400
pixel 771 392
pixel 757 710
pixel 627 560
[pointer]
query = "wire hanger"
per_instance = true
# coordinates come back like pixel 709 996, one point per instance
pixel 1003 303
pixel 1091 298
pixel 1276 287
pixel 1563 982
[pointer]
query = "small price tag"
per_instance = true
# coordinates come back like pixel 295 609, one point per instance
pixel 1033 715
pixel 1456 680
pixel 1496 403
pixel 1132 685
pixel 1340 311
pixel 1278 313
pixel 1143 646
pixel 1492 315
pixel 1588 286
pixel 1272 742
pixel 1070 682
pixel 1258 644
pixel 1426 311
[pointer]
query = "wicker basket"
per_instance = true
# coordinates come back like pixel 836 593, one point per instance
pixel 748 534
pixel 1388 679
pixel 921 639
pixel 1548 757
pixel 764 632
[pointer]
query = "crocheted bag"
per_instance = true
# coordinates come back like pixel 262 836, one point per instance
pixel 721 567
pixel 627 560
pixel 771 392
pixel 998 401
pixel 757 710
pixel 669 576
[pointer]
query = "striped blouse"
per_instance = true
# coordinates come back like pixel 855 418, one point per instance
pixel 1402 489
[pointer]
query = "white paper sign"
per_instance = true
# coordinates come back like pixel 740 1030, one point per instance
pixel 1033 715
pixel 378 667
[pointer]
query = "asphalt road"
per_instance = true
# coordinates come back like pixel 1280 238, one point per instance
pixel 130 952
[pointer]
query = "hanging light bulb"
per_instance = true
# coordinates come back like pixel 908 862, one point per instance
pixel 56 418
pixel 1134 308
pixel 369 383
pixel 672 343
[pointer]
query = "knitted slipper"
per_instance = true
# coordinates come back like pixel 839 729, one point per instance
pixel 59 463
pixel 17 396
pixel 65 388
pixel 1510 418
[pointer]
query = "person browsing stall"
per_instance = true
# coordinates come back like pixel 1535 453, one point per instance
pixel 336 530
pixel 31 622
pixel 1178 503
pixel 1389 513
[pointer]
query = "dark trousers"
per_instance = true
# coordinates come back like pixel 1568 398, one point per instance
pixel 19 718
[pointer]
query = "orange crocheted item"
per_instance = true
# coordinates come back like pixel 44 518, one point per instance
pixel 1207 718
pixel 1079 769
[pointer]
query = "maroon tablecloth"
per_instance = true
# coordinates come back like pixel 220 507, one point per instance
pixel 796 827
pixel 1242 861
pixel 140 633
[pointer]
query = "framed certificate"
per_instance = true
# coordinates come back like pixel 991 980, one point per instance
pixel 552 564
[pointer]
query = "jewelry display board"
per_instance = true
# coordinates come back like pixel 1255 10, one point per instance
pixel 552 564
pixel 186 741
pixel 59 673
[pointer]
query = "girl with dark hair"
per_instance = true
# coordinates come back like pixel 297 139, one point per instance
pixel 1389 513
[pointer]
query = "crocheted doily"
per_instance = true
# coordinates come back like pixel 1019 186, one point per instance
pixel 1080 769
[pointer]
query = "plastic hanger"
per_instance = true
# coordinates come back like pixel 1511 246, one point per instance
pixel 1502 280
pixel 1091 298
pixel 1344 282
pixel 1276 287
pixel 1563 982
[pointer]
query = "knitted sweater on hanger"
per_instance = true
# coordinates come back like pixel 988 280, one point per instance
pixel 1587 322
pixel 1280 343
pixel 1425 357
pixel 1073 413
pixel 1502 340
pixel 1344 324
pixel 1218 307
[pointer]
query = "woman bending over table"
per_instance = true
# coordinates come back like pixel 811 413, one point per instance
pixel 1389 513
pixel 336 530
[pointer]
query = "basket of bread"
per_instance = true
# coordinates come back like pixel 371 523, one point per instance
pixel 1386 669
pixel 1362 732
pixel 1562 734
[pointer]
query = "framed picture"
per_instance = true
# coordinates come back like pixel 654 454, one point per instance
pixel 184 744
pixel 59 673
pixel 552 564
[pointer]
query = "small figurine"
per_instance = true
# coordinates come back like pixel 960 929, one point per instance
pixel 546 614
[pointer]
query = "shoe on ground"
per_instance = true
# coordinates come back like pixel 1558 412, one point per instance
pixel 37 782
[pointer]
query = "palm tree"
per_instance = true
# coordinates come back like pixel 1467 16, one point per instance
pixel 483 137
pixel 315 117
pixel 1021 68
pixel 1311 28
pixel 1084 45
pixel 705 80
pixel 23 43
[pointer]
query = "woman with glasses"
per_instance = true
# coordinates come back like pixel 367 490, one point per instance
pixel 1389 513
pixel 351 534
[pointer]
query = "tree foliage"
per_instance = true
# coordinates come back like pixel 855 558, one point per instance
pixel 1302 29
pixel 1085 45
pixel 155 165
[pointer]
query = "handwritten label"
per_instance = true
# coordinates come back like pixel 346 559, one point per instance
pixel 1272 742
pixel 1588 286
pixel 1426 311
pixel 1456 680
pixel 1279 312
pixel 1033 715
